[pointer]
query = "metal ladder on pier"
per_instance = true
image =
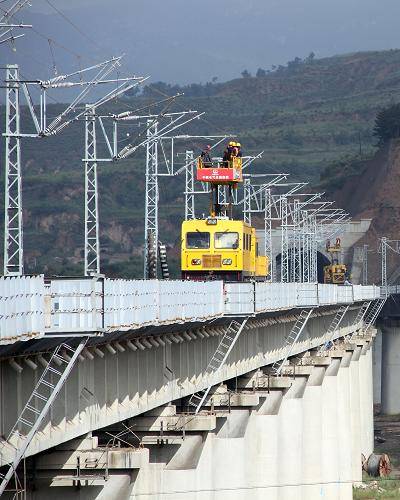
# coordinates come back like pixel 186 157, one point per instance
pixel 373 313
pixel 218 359
pixel 335 323
pixel 292 338
pixel 362 312
pixel 43 396
pixel 370 313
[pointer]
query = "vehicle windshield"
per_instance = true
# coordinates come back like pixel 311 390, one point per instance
pixel 198 240
pixel 226 240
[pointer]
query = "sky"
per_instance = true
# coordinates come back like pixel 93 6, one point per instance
pixel 183 41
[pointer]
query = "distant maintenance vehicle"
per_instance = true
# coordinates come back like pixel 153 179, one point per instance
pixel 335 272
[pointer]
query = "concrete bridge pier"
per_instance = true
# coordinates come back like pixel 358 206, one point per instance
pixel 367 400
pixel 355 414
pixel 377 366
pixel 344 418
pixel 264 431
pixel 312 433
pixel 290 473
pixel 330 487
pixel 390 395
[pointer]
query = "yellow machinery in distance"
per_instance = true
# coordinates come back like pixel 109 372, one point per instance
pixel 219 247
pixel 335 272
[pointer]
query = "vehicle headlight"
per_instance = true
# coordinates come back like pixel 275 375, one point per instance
pixel 196 262
pixel 226 262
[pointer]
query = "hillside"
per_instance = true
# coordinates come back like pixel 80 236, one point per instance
pixel 373 192
pixel 309 113
pixel 305 116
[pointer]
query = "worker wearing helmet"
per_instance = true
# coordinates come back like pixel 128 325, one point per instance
pixel 235 149
pixel 239 148
pixel 227 158
pixel 206 156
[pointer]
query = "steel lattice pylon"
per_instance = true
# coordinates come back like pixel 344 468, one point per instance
pixel 365 265
pixel 296 243
pixel 305 277
pixel 247 201
pixel 92 247
pixel 384 263
pixel 309 236
pixel 13 235
pixel 284 241
pixel 268 251
pixel 189 191
pixel 222 199
pixel 151 206
pixel 313 250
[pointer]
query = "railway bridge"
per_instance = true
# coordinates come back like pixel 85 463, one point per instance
pixel 174 389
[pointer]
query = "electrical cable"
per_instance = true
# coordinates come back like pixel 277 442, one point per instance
pixel 53 58
pixel 76 27
pixel 249 488
pixel 52 42
pixel 55 42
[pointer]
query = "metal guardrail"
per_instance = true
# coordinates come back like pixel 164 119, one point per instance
pixel 390 290
pixel 31 307
pixel 21 308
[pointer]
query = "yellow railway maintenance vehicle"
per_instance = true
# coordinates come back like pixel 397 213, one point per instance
pixel 220 248
pixel 334 273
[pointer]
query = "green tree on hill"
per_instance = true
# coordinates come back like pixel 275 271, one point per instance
pixel 387 123
pixel 310 58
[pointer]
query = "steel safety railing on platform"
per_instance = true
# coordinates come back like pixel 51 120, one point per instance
pixel 365 292
pixel 136 303
pixel 75 305
pixel 390 290
pixel 21 308
pixel 275 296
pixel 278 296
pixel 31 307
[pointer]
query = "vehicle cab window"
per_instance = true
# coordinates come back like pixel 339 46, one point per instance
pixel 226 240
pixel 197 240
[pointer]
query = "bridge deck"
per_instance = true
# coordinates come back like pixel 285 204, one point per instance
pixel 32 308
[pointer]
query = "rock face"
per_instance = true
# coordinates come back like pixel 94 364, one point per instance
pixel 375 194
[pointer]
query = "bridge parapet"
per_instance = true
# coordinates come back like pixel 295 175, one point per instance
pixel 392 290
pixel 31 307
pixel 22 302
pixel 241 298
